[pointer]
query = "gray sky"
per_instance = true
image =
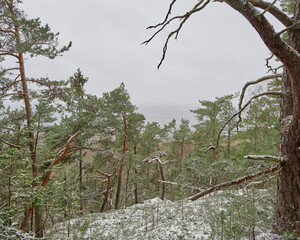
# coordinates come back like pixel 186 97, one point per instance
pixel 215 54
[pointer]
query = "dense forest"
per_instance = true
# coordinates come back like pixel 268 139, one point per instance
pixel 67 154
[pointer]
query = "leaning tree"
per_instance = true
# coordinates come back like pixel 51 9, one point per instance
pixel 287 50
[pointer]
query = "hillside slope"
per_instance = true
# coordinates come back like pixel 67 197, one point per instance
pixel 227 214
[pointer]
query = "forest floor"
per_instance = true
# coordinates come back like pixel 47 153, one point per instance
pixel 205 218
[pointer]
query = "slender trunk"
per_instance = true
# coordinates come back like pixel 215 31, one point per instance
pixel 135 185
pixel 228 143
pixel 38 219
pixel 127 180
pixel 106 193
pixel 37 212
pixel 163 181
pixel 213 155
pixel 80 183
pixel 118 194
pixel 181 154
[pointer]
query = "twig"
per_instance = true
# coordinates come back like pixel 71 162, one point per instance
pixel 182 18
pixel 268 8
pixel 296 24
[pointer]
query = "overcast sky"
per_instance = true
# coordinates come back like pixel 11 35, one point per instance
pixel 216 53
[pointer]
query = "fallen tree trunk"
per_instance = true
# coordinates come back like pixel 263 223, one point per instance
pixel 233 182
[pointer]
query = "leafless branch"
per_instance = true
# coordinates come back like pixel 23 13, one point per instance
pixel 269 7
pixel 296 24
pixel 266 158
pixel 183 18
pixel 233 182
pixel 253 83
pixel 272 93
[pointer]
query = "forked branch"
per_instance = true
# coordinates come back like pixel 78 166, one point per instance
pixel 60 157
pixel 183 18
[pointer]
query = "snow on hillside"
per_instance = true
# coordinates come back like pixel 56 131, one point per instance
pixel 157 219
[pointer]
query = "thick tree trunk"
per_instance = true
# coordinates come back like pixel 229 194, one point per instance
pixel 287 214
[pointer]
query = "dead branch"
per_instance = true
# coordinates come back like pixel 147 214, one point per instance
pixel 268 8
pixel 157 159
pixel 59 158
pixel 183 18
pixel 259 183
pixel 239 112
pixel 264 78
pixel 280 160
pixel 233 182
pixel 296 24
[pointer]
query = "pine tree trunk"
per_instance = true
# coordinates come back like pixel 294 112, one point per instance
pixel 80 184
pixel 37 212
pixel 287 214
pixel 118 194
pixel 38 219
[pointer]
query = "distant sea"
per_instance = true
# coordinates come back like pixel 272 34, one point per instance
pixel 165 113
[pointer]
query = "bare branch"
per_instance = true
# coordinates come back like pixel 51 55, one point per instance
pixel 167 16
pixel 252 83
pixel 233 182
pixel 182 18
pixel 296 24
pixel 239 112
pixel 280 160
pixel 269 7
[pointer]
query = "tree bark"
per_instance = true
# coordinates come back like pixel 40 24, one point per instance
pixel 287 213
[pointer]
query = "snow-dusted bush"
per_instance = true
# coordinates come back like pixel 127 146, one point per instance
pixel 12 232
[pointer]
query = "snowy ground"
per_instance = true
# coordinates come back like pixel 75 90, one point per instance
pixel 156 219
